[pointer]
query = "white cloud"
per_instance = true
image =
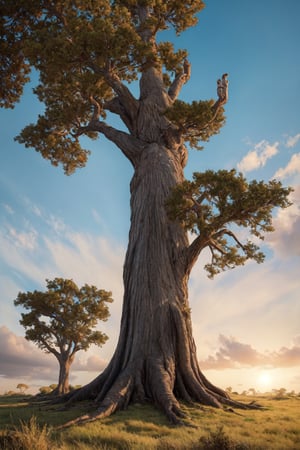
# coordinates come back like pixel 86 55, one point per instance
pixel 234 354
pixel 22 361
pixel 18 356
pixel 258 157
pixel 88 259
pixel 285 239
pixel 29 258
pixel 22 260
pixel 292 141
pixel 249 301
pixel 92 363
pixel 292 168
pixel 227 305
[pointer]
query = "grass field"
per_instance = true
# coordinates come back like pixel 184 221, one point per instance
pixel 29 426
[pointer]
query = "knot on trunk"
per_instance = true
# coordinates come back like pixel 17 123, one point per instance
pixel 172 139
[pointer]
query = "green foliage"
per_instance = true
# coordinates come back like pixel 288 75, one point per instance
pixel 215 204
pixel 196 121
pixel 79 49
pixel 61 320
pixel 55 143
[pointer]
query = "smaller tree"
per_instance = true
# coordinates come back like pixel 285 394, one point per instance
pixel 23 387
pixel 61 321
pixel 45 390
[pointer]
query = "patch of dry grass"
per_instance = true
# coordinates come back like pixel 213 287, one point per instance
pixel 143 427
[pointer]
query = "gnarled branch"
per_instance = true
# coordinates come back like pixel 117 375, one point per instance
pixel 179 81
pixel 222 92
pixel 129 145
pixel 128 104
pixel 193 251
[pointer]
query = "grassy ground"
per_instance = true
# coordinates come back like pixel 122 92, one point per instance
pixel 142 427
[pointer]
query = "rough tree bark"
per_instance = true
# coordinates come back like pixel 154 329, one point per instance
pixel 155 359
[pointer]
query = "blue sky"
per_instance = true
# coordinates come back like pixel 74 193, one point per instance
pixel 246 321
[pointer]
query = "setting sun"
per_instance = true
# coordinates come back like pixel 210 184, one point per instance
pixel 265 379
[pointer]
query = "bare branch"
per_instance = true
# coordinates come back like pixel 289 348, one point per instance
pixel 222 92
pixel 214 244
pixel 179 81
pixel 193 128
pixel 114 105
pixel 97 109
pixel 231 234
pixel 49 348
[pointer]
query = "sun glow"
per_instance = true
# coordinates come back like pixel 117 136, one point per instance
pixel 265 379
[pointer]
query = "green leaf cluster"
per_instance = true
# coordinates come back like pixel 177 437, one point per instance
pixel 197 121
pixel 215 205
pixel 73 45
pixel 62 319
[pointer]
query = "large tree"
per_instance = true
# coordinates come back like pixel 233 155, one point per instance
pixel 62 319
pixel 87 54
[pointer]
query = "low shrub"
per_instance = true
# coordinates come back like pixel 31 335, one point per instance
pixel 219 440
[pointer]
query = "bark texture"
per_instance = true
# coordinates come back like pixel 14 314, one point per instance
pixel 155 359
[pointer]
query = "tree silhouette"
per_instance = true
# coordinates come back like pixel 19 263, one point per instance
pixel 23 387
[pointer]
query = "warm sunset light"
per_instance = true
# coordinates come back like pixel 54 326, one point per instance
pixel 265 379
pixel 122 84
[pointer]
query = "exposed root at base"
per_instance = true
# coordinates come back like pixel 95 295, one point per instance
pixel 116 399
pixel 158 388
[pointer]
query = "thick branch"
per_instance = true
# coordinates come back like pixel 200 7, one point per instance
pixel 116 107
pixel 127 101
pixel 193 252
pixel 129 145
pixel 50 349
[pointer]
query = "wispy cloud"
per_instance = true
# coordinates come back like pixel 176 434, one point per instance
pixel 25 239
pixel 8 208
pixel 235 354
pixel 249 301
pixel 258 157
pixel 57 250
pixel 55 223
pixel 292 141
pixel 292 168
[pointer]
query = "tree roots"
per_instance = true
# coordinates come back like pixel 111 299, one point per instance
pixel 158 387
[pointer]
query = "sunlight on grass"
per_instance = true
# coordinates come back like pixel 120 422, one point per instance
pixel 143 427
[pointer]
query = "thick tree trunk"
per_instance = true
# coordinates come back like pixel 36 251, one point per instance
pixel 155 359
